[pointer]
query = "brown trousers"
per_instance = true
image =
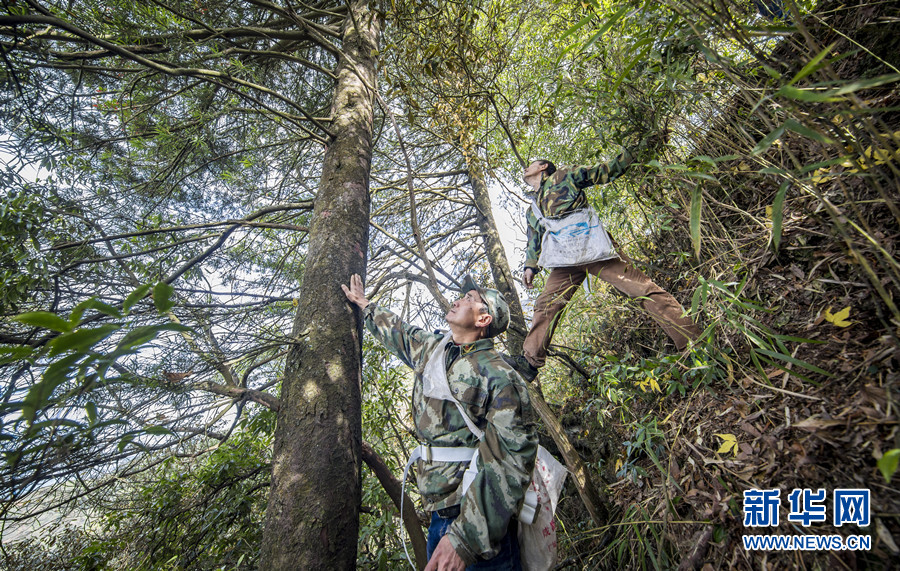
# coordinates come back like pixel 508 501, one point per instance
pixel 563 283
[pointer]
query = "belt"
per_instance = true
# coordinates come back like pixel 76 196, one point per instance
pixel 449 512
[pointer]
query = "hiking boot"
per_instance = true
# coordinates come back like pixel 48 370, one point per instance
pixel 521 365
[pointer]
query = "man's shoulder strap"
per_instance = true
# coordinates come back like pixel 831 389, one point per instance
pixel 437 385
pixel 536 210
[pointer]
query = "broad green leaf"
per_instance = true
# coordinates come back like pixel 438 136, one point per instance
pixel 110 422
pixel 92 303
pixel 44 319
pixel 639 58
pixel 81 339
pixel 824 164
pixel 159 431
pixel 125 440
pixel 701 175
pixel 698 300
pixel 91 409
pixel 162 297
pixel 704 159
pixel 13 354
pixel 134 297
pixel 609 23
pixel 39 395
pixel 55 422
pixel 129 438
pixel 145 333
pixel 888 462
pixel 778 214
pixel 581 23
pixel 696 204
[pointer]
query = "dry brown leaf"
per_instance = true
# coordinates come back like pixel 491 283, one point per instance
pixel 814 424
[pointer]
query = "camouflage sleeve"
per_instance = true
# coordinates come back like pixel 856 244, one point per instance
pixel 535 235
pixel 506 460
pixel 407 342
pixel 603 173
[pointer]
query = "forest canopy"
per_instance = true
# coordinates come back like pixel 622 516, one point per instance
pixel 186 184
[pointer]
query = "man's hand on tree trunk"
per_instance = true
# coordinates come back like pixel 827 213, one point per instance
pixel 355 293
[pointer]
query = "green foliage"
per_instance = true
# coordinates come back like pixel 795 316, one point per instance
pixel 386 388
pixel 22 267
pixel 55 416
pixel 202 513
pixel 61 550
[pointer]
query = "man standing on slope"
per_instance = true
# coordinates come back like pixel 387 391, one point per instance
pixel 557 194
pixel 473 528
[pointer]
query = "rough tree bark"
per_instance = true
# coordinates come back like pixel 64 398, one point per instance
pixel 312 518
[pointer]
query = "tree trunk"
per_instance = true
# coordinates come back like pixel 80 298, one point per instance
pixel 580 475
pixel 515 335
pixel 312 518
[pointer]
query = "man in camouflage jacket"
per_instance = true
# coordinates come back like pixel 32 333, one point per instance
pixel 557 193
pixel 475 530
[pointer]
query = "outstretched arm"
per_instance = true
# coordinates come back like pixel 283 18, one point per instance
pixel 355 293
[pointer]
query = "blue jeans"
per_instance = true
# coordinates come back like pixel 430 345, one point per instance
pixel 506 560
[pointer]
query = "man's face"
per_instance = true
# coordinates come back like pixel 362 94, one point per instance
pixel 534 168
pixel 466 311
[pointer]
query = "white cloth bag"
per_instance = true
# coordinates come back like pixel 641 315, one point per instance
pixel 574 239
pixel 537 541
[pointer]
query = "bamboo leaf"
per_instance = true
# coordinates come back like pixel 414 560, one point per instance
pixel 92 303
pixel 729 444
pixel 868 83
pixel 767 141
pixel 581 23
pixel 798 128
pixel 778 214
pixel 812 65
pixel 794 360
pixel 696 207
pixel 609 23
pixel 39 394
pixel 808 95
pixel 142 334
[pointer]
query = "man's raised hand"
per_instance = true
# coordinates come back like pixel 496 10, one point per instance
pixel 355 293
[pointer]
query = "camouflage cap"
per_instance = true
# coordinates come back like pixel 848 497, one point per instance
pixel 498 309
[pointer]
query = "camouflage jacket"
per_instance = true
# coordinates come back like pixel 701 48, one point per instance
pixel 563 191
pixel 496 400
